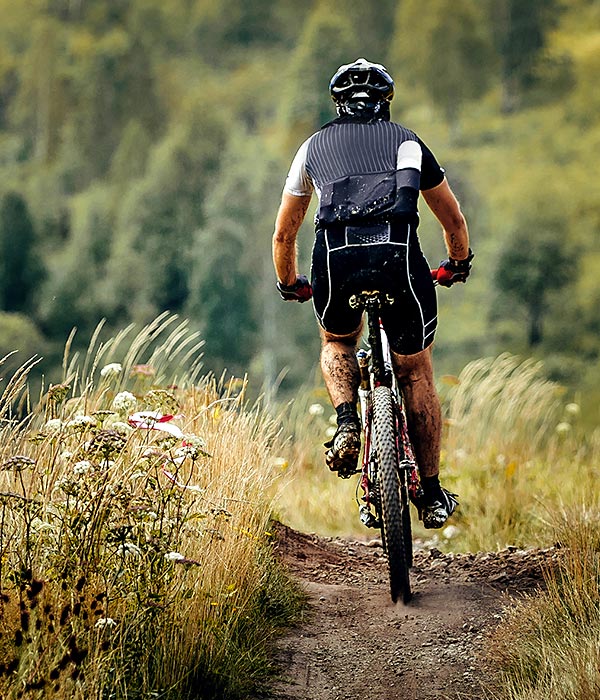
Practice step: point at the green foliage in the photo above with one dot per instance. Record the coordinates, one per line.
(446, 50)
(528, 274)
(20, 267)
(520, 35)
(150, 141)
(327, 41)
(67, 299)
(20, 340)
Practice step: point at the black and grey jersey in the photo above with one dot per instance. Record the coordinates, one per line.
(346, 148)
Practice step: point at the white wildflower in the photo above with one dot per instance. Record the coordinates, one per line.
(38, 525)
(281, 463)
(111, 370)
(194, 441)
(333, 419)
(450, 531)
(53, 425)
(315, 409)
(81, 423)
(572, 409)
(192, 448)
(66, 455)
(121, 427)
(563, 428)
(128, 549)
(174, 556)
(124, 402)
(82, 467)
(105, 622)
(67, 486)
(330, 432)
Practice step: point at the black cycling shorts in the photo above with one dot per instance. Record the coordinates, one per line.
(387, 257)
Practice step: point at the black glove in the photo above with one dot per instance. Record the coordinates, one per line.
(299, 291)
(451, 271)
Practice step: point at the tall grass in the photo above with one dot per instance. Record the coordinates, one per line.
(136, 562)
(515, 453)
(513, 450)
(312, 498)
(549, 644)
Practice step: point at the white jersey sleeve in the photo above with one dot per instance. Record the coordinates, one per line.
(298, 181)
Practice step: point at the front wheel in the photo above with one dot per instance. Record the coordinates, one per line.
(393, 518)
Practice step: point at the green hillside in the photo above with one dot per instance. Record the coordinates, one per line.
(144, 144)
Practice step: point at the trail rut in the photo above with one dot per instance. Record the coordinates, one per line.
(355, 643)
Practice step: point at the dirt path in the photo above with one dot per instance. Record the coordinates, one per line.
(354, 643)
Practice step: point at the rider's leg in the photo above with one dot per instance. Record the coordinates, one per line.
(340, 367)
(342, 377)
(414, 374)
(423, 412)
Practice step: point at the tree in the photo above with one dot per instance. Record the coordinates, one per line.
(520, 30)
(326, 41)
(20, 340)
(229, 296)
(71, 295)
(535, 263)
(149, 257)
(20, 268)
(446, 50)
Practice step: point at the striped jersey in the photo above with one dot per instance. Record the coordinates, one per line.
(344, 148)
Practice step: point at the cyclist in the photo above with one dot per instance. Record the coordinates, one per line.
(367, 172)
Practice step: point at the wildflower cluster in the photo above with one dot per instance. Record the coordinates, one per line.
(115, 501)
(124, 544)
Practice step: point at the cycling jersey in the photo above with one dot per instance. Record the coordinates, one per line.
(345, 147)
(367, 176)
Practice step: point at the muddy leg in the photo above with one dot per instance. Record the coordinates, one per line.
(423, 412)
(339, 367)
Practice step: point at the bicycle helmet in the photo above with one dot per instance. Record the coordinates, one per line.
(361, 87)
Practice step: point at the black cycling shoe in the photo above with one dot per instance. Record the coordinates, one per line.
(343, 450)
(435, 510)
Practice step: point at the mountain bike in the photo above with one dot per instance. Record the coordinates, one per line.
(389, 474)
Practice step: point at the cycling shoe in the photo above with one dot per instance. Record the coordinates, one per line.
(435, 511)
(343, 450)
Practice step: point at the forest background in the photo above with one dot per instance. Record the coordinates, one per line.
(144, 145)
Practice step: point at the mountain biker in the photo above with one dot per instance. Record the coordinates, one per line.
(367, 172)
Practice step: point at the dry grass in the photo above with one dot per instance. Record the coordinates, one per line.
(512, 450)
(515, 454)
(312, 498)
(549, 644)
(135, 563)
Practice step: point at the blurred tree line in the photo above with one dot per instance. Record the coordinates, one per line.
(144, 145)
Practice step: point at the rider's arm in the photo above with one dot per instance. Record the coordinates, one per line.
(445, 206)
(290, 216)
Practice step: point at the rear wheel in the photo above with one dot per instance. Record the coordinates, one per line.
(394, 522)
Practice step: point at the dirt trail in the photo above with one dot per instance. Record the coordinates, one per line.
(354, 643)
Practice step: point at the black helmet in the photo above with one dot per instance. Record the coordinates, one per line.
(361, 85)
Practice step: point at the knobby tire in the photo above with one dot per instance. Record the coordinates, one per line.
(393, 519)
